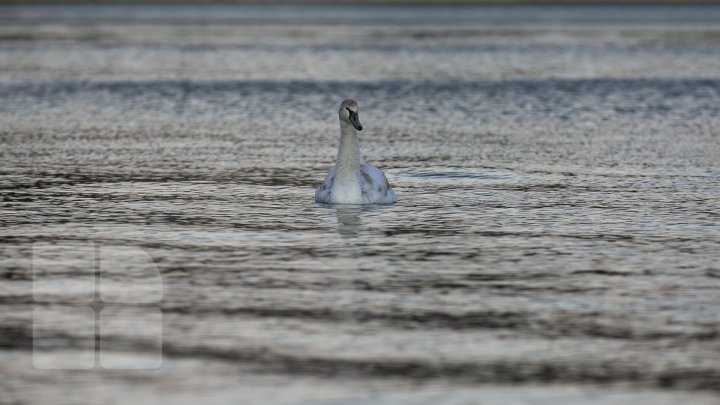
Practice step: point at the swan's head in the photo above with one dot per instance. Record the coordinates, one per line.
(349, 113)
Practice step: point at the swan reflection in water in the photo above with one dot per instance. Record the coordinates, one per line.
(350, 218)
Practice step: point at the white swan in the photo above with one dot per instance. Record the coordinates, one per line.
(351, 181)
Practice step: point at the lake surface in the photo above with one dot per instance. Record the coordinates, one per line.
(555, 240)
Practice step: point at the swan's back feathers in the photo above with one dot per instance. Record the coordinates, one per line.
(323, 194)
(373, 184)
(375, 187)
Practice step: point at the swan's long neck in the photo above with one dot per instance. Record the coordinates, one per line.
(348, 157)
(347, 171)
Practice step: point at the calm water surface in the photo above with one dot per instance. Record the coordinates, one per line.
(555, 238)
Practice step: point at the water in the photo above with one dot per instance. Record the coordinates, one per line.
(555, 238)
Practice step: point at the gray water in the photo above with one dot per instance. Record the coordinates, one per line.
(555, 239)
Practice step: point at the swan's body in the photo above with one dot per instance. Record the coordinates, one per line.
(351, 181)
(370, 188)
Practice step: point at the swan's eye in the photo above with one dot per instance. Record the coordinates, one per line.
(349, 110)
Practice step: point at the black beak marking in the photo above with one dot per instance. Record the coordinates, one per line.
(354, 120)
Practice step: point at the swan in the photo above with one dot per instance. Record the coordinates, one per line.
(351, 181)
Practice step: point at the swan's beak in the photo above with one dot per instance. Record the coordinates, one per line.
(355, 120)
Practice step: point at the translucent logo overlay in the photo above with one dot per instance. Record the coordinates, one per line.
(96, 307)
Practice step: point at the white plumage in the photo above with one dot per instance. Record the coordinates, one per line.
(351, 181)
